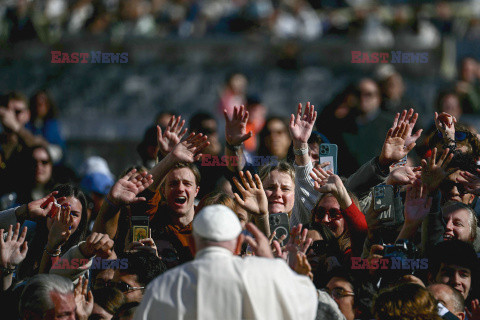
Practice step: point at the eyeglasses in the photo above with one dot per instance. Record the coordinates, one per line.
(459, 135)
(333, 214)
(122, 286)
(338, 292)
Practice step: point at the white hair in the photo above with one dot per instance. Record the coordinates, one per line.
(36, 294)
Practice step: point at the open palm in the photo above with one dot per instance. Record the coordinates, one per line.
(172, 136)
(301, 126)
(13, 249)
(254, 198)
(236, 128)
(125, 190)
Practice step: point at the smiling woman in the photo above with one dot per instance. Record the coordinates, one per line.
(67, 195)
(279, 185)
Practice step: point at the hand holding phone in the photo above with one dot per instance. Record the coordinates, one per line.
(328, 153)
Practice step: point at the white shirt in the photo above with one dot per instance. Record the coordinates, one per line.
(219, 285)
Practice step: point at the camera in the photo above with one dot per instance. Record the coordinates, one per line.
(403, 249)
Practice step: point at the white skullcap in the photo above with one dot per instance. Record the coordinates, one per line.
(217, 223)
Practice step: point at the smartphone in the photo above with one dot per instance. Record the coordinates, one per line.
(383, 196)
(140, 227)
(279, 223)
(328, 153)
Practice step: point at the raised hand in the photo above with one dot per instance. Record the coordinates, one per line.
(433, 171)
(13, 249)
(394, 147)
(236, 128)
(125, 190)
(254, 198)
(61, 229)
(97, 244)
(259, 244)
(189, 150)
(298, 242)
(445, 123)
(302, 266)
(83, 299)
(172, 136)
(301, 126)
(417, 204)
(473, 312)
(325, 181)
(9, 119)
(410, 118)
(36, 210)
(470, 181)
(403, 176)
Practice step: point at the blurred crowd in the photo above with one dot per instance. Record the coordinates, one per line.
(375, 23)
(362, 209)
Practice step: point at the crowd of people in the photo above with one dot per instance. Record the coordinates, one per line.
(375, 22)
(262, 228)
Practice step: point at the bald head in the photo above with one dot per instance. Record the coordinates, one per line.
(449, 297)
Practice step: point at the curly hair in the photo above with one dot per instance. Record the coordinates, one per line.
(405, 302)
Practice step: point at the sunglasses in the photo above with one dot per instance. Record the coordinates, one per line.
(122, 286)
(338, 293)
(333, 214)
(459, 135)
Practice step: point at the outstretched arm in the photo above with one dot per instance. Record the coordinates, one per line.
(300, 130)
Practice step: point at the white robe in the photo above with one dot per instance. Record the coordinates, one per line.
(219, 285)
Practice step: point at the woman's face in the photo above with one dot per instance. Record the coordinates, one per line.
(280, 190)
(75, 212)
(278, 139)
(335, 223)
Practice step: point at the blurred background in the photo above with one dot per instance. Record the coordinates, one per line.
(187, 56)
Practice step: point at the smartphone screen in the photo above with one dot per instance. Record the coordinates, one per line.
(140, 228)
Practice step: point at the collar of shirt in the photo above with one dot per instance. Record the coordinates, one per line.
(213, 250)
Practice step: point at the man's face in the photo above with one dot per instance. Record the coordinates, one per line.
(369, 96)
(132, 280)
(21, 111)
(457, 277)
(345, 303)
(280, 191)
(443, 294)
(43, 166)
(180, 190)
(454, 191)
(209, 128)
(457, 225)
(64, 307)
